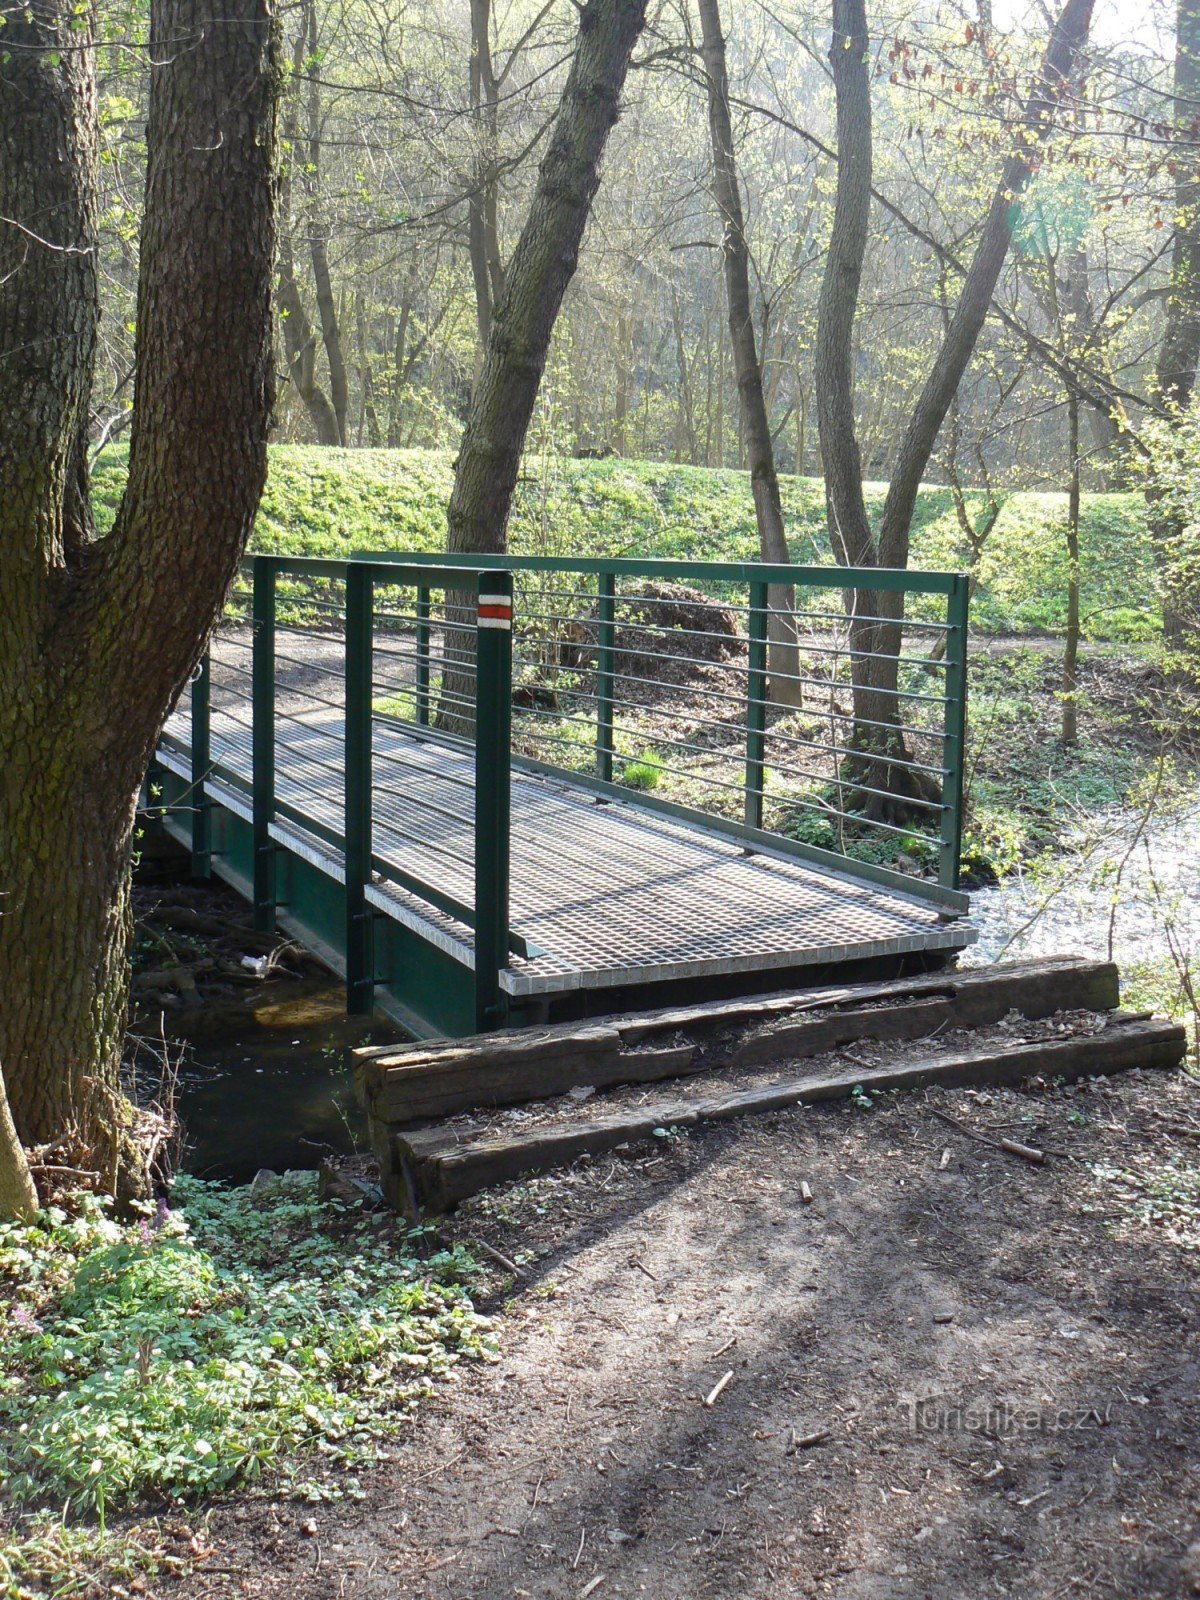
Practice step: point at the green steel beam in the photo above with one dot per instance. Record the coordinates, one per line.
(605, 674)
(423, 656)
(756, 705)
(954, 734)
(360, 656)
(493, 783)
(262, 690)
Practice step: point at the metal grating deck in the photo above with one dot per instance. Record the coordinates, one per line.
(605, 893)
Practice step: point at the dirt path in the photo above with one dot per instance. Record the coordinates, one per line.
(585, 1462)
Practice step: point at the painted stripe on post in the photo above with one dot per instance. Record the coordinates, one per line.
(495, 611)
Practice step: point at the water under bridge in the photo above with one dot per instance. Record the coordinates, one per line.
(492, 792)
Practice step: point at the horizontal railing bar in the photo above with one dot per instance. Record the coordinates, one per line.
(820, 713)
(668, 631)
(862, 579)
(744, 609)
(802, 772)
(411, 570)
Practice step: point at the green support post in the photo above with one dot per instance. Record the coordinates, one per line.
(262, 689)
(756, 704)
(423, 657)
(493, 784)
(955, 731)
(201, 767)
(360, 660)
(606, 588)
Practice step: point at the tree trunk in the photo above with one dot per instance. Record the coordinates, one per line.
(1070, 669)
(870, 776)
(875, 625)
(299, 335)
(1179, 351)
(1066, 42)
(300, 347)
(18, 1197)
(543, 264)
(98, 638)
(783, 658)
(318, 240)
(483, 231)
(541, 268)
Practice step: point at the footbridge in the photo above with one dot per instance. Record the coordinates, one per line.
(492, 792)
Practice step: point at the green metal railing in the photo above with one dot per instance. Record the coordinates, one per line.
(339, 599)
(926, 708)
(723, 694)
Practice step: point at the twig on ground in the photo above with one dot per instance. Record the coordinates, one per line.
(717, 1389)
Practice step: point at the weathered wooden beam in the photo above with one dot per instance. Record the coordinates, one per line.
(418, 1082)
(433, 1170)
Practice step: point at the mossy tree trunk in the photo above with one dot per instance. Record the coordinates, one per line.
(98, 636)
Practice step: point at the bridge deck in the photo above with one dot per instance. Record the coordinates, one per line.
(604, 893)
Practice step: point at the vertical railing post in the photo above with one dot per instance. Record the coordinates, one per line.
(201, 767)
(954, 731)
(357, 834)
(423, 657)
(493, 737)
(262, 737)
(756, 704)
(606, 614)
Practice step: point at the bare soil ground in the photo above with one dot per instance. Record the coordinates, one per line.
(1046, 1315)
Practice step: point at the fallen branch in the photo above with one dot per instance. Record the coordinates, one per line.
(1027, 1152)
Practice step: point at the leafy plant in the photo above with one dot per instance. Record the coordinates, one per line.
(195, 1350)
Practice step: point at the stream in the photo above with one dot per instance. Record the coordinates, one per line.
(265, 1084)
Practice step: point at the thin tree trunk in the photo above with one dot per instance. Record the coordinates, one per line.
(483, 232)
(318, 241)
(1179, 351)
(299, 336)
(542, 266)
(18, 1197)
(1070, 667)
(1066, 42)
(876, 643)
(97, 638)
(783, 660)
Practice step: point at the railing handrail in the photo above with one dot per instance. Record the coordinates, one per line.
(775, 573)
(402, 568)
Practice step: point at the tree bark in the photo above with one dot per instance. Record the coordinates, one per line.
(783, 662)
(541, 268)
(97, 638)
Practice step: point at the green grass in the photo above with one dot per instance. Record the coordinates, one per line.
(332, 502)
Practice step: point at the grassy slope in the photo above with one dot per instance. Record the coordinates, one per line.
(331, 502)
